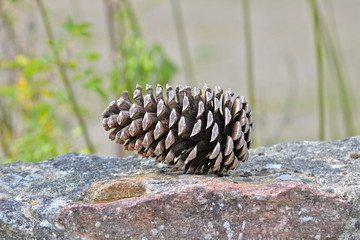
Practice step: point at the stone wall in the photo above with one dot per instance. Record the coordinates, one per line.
(296, 190)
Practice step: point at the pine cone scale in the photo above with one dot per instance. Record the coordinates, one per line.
(215, 152)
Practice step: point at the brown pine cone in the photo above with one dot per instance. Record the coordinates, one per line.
(206, 131)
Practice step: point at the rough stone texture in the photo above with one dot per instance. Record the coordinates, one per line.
(213, 212)
(299, 190)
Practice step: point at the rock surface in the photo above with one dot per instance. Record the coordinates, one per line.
(296, 190)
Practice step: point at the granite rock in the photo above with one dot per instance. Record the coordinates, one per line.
(295, 190)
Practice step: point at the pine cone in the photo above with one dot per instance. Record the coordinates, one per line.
(206, 131)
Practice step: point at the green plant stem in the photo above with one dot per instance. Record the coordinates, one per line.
(340, 78)
(333, 114)
(134, 23)
(6, 149)
(320, 68)
(249, 55)
(5, 131)
(64, 76)
(182, 40)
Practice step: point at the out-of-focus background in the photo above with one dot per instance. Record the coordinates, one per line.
(61, 62)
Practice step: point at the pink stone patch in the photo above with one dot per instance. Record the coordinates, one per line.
(213, 211)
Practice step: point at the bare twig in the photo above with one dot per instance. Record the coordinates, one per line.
(12, 44)
(182, 40)
(64, 77)
(109, 7)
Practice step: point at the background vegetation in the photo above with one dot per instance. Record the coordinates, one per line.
(52, 76)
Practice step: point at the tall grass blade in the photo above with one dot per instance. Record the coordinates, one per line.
(319, 67)
(339, 53)
(344, 92)
(333, 118)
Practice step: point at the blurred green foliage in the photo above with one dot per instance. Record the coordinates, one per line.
(133, 59)
(39, 88)
(37, 120)
(31, 128)
(147, 65)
